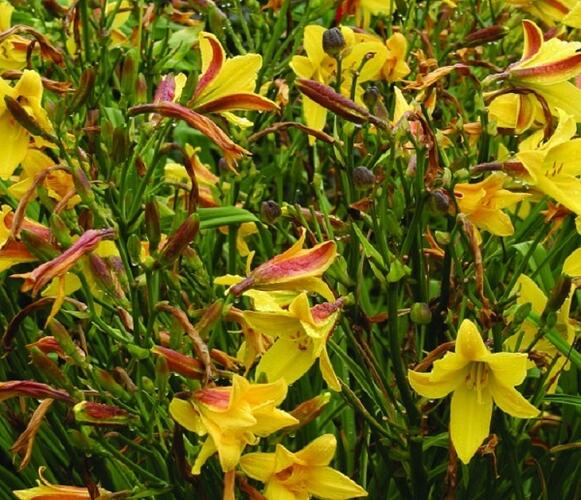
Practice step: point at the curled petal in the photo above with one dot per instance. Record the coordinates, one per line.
(510, 400)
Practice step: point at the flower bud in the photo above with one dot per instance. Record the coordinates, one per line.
(152, 224)
(443, 238)
(307, 411)
(129, 74)
(363, 178)
(522, 312)
(38, 245)
(270, 211)
(180, 363)
(439, 202)
(60, 230)
(179, 240)
(83, 186)
(420, 313)
(83, 92)
(25, 120)
(485, 35)
(333, 42)
(119, 145)
(559, 294)
(65, 342)
(106, 380)
(371, 96)
(37, 390)
(87, 412)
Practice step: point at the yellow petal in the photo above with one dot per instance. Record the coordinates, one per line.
(270, 419)
(276, 490)
(505, 110)
(319, 451)
(528, 292)
(469, 420)
(564, 95)
(313, 43)
(186, 415)
(285, 360)
(328, 372)
(508, 368)
(281, 323)
(325, 482)
(259, 466)
(302, 66)
(469, 343)
(509, 400)
(208, 449)
(315, 116)
(572, 264)
(15, 146)
(275, 392)
(424, 386)
(450, 366)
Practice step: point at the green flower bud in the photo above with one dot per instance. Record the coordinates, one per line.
(421, 313)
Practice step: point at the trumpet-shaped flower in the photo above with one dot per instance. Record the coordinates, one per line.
(227, 84)
(302, 333)
(300, 475)
(319, 66)
(28, 92)
(554, 166)
(296, 269)
(517, 112)
(232, 417)
(546, 67)
(13, 49)
(567, 12)
(527, 292)
(483, 202)
(364, 9)
(395, 67)
(477, 378)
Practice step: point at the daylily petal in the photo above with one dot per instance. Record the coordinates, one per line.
(572, 264)
(509, 368)
(328, 372)
(426, 387)
(212, 60)
(509, 400)
(469, 420)
(448, 367)
(259, 466)
(235, 102)
(274, 392)
(280, 323)
(550, 73)
(184, 413)
(533, 39)
(275, 490)
(270, 419)
(469, 343)
(325, 482)
(285, 360)
(313, 43)
(562, 95)
(315, 115)
(208, 449)
(528, 292)
(320, 451)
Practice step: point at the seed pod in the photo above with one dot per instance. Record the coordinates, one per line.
(87, 412)
(363, 178)
(421, 313)
(179, 240)
(270, 211)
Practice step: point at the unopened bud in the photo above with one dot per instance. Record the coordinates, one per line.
(38, 245)
(559, 294)
(64, 340)
(443, 238)
(333, 42)
(120, 145)
(371, 96)
(485, 35)
(522, 313)
(104, 277)
(211, 316)
(178, 241)
(87, 412)
(270, 211)
(363, 178)
(307, 411)
(421, 313)
(152, 224)
(84, 90)
(439, 202)
(107, 382)
(83, 185)
(129, 73)
(60, 230)
(180, 363)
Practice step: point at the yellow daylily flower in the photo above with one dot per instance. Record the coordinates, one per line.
(527, 291)
(296, 269)
(319, 66)
(364, 9)
(302, 333)
(12, 50)
(395, 67)
(28, 92)
(58, 182)
(227, 84)
(483, 202)
(546, 67)
(554, 166)
(567, 12)
(232, 417)
(477, 378)
(301, 475)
